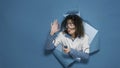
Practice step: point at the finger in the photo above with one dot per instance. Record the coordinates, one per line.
(58, 26)
(64, 49)
(51, 24)
(56, 22)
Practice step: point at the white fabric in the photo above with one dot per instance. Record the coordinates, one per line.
(78, 44)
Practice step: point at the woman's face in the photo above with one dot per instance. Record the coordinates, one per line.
(70, 27)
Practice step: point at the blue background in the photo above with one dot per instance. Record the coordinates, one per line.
(24, 25)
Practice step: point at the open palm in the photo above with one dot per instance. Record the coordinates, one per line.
(54, 27)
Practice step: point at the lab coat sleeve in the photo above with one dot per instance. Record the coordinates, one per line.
(52, 41)
(78, 55)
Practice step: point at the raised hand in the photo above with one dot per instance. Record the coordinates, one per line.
(54, 27)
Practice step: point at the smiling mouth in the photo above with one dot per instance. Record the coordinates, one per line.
(68, 31)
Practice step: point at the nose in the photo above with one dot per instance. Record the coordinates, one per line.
(69, 26)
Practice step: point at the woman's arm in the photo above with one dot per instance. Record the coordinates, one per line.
(51, 39)
(49, 42)
(78, 55)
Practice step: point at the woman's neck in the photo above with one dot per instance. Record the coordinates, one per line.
(73, 35)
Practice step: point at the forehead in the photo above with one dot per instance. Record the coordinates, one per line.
(69, 21)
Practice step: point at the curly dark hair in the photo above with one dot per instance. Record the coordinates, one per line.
(77, 21)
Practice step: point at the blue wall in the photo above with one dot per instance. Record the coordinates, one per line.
(24, 25)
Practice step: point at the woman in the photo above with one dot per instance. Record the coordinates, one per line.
(71, 36)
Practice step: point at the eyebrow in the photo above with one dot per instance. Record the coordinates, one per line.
(70, 23)
(71, 28)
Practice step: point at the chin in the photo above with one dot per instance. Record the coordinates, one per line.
(70, 33)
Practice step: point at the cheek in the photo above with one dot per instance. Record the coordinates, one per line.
(71, 26)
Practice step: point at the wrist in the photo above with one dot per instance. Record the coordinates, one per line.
(51, 33)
